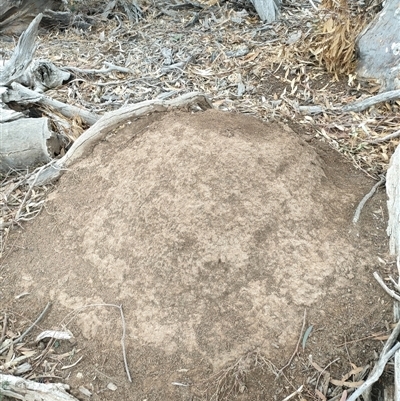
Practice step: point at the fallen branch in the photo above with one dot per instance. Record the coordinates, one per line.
(85, 143)
(371, 101)
(394, 135)
(376, 373)
(357, 106)
(368, 196)
(23, 95)
(385, 287)
(28, 390)
(386, 349)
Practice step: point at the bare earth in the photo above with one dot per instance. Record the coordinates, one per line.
(215, 232)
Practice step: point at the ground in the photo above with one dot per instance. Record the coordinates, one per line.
(223, 238)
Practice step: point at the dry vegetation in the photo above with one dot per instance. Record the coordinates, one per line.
(334, 41)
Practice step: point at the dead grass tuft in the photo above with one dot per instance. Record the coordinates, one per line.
(231, 381)
(333, 43)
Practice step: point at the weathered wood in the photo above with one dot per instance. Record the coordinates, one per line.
(85, 143)
(26, 96)
(26, 142)
(43, 75)
(28, 390)
(378, 48)
(393, 203)
(357, 106)
(64, 19)
(267, 10)
(15, 16)
(7, 115)
(22, 56)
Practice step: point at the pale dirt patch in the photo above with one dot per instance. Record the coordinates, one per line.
(214, 231)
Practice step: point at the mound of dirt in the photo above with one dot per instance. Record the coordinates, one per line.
(215, 232)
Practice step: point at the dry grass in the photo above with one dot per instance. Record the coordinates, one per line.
(334, 40)
(231, 381)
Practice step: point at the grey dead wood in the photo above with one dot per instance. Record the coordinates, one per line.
(378, 48)
(25, 96)
(65, 19)
(39, 75)
(85, 143)
(42, 75)
(267, 10)
(22, 56)
(15, 16)
(357, 106)
(28, 390)
(26, 143)
(390, 348)
(393, 203)
(7, 115)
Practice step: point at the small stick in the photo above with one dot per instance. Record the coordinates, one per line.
(298, 391)
(365, 199)
(297, 346)
(74, 364)
(28, 330)
(3, 334)
(123, 330)
(28, 193)
(111, 67)
(385, 287)
(396, 285)
(395, 134)
(123, 344)
(376, 373)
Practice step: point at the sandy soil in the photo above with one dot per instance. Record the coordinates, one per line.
(215, 232)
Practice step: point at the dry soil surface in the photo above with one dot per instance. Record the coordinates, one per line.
(215, 232)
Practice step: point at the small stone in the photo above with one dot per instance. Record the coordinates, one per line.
(79, 375)
(111, 386)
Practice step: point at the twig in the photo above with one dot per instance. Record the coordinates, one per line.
(111, 67)
(28, 193)
(396, 285)
(366, 198)
(76, 311)
(376, 373)
(123, 344)
(74, 364)
(395, 134)
(27, 331)
(324, 370)
(313, 5)
(3, 334)
(297, 345)
(298, 391)
(385, 287)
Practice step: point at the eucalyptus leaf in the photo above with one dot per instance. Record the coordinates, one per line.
(306, 335)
